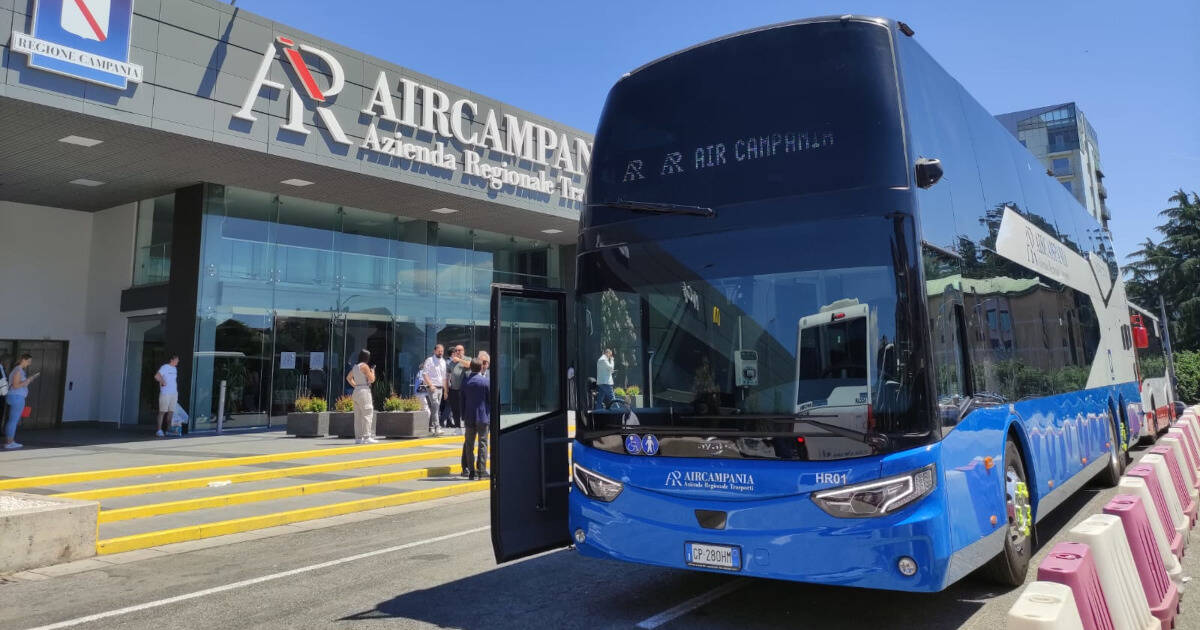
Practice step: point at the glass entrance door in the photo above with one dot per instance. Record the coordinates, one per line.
(302, 363)
(145, 351)
(355, 332)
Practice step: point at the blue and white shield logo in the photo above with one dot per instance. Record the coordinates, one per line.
(84, 39)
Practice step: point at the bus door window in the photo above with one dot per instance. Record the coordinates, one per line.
(943, 282)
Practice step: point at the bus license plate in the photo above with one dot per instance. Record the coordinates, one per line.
(716, 556)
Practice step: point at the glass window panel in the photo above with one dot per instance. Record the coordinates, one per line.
(306, 274)
(152, 255)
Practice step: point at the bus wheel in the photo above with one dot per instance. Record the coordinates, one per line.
(1010, 566)
(1116, 457)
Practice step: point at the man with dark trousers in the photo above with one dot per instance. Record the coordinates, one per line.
(476, 395)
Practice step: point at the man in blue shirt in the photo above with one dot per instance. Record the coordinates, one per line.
(476, 397)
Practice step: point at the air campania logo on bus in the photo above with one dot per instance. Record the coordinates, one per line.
(83, 39)
(710, 480)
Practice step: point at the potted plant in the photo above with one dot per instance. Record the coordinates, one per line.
(310, 419)
(401, 417)
(341, 419)
(633, 395)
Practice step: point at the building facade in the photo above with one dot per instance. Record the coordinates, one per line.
(1063, 139)
(185, 177)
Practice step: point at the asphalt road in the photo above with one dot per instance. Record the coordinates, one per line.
(433, 567)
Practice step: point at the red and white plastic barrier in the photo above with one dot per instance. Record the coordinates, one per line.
(1177, 481)
(1136, 487)
(1073, 565)
(1182, 432)
(1045, 606)
(1127, 602)
(1173, 443)
(1161, 593)
(1179, 520)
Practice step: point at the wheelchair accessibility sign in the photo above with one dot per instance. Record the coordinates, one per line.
(84, 39)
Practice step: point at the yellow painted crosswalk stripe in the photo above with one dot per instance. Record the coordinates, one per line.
(158, 469)
(258, 475)
(221, 528)
(269, 494)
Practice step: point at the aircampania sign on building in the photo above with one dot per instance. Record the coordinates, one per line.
(257, 200)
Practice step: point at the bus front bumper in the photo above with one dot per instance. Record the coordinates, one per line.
(786, 538)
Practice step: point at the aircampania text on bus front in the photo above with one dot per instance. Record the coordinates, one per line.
(832, 323)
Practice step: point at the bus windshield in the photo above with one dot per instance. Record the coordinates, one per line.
(745, 332)
(792, 110)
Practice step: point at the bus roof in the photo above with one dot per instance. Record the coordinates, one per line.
(825, 18)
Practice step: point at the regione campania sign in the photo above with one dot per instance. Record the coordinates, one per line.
(84, 39)
(555, 157)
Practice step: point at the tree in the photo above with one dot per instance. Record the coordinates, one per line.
(618, 332)
(1171, 268)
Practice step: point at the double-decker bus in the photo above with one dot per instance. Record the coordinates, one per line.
(873, 342)
(1153, 380)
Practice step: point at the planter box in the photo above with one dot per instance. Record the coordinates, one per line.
(402, 423)
(308, 424)
(43, 530)
(341, 423)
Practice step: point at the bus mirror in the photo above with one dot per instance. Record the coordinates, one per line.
(1141, 339)
(929, 171)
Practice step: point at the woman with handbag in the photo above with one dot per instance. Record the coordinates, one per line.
(18, 389)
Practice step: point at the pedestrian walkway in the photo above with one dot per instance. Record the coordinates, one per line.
(159, 492)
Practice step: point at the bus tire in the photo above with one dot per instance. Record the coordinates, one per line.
(1011, 565)
(1111, 475)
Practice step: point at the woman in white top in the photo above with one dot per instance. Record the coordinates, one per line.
(360, 378)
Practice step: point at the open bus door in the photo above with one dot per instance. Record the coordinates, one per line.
(529, 439)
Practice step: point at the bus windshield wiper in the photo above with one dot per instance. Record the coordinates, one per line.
(656, 207)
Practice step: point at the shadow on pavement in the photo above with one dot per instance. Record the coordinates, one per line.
(562, 589)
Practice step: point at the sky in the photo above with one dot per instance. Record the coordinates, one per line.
(1134, 71)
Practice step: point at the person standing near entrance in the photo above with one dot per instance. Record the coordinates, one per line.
(18, 390)
(168, 393)
(605, 366)
(477, 420)
(460, 369)
(361, 377)
(433, 373)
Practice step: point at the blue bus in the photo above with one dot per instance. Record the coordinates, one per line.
(832, 323)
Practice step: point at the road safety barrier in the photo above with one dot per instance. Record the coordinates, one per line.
(1136, 487)
(1158, 467)
(1180, 432)
(1072, 565)
(1176, 481)
(1161, 593)
(1127, 602)
(1171, 444)
(1122, 567)
(1045, 606)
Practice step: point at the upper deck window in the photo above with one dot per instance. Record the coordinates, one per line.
(785, 111)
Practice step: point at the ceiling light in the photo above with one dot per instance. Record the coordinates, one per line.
(296, 182)
(85, 182)
(552, 231)
(444, 210)
(81, 141)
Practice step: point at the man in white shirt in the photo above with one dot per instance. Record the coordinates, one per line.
(433, 372)
(168, 393)
(605, 366)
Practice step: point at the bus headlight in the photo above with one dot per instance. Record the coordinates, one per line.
(595, 485)
(876, 498)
